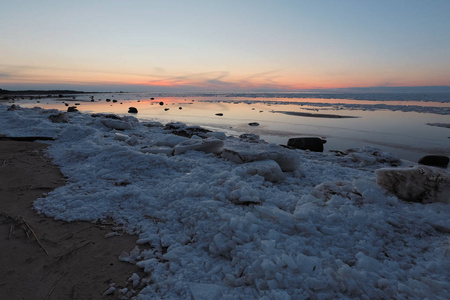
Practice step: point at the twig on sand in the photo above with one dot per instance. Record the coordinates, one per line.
(20, 221)
(54, 285)
(4, 162)
(37, 239)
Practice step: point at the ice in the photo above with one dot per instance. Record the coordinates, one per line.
(241, 153)
(213, 227)
(209, 145)
(419, 184)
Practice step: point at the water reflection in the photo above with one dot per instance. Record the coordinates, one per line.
(402, 133)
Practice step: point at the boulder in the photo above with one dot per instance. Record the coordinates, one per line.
(435, 160)
(132, 110)
(253, 124)
(307, 143)
(209, 145)
(268, 169)
(219, 114)
(419, 184)
(72, 109)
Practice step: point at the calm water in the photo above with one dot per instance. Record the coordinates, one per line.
(402, 133)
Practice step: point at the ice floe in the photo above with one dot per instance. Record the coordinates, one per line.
(263, 222)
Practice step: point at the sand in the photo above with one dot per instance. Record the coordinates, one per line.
(81, 262)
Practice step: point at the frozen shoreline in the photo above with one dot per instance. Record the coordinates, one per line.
(326, 230)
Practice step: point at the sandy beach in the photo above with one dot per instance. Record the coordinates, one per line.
(47, 259)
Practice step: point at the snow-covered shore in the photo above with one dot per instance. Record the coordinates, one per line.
(216, 229)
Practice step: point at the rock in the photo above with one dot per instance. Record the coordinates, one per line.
(72, 109)
(253, 124)
(166, 109)
(268, 169)
(114, 101)
(286, 158)
(108, 100)
(77, 103)
(59, 118)
(108, 116)
(161, 103)
(209, 145)
(132, 110)
(180, 107)
(14, 107)
(182, 129)
(307, 143)
(117, 124)
(419, 184)
(250, 138)
(219, 114)
(435, 160)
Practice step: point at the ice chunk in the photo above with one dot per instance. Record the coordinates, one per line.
(286, 158)
(170, 140)
(268, 169)
(209, 145)
(158, 149)
(205, 291)
(418, 184)
(117, 124)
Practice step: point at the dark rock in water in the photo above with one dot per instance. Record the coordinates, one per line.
(132, 110)
(66, 104)
(152, 98)
(435, 160)
(166, 109)
(307, 143)
(253, 124)
(59, 118)
(107, 116)
(114, 101)
(14, 107)
(219, 114)
(181, 129)
(108, 100)
(180, 107)
(161, 103)
(77, 103)
(72, 109)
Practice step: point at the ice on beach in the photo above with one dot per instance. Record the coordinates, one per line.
(217, 228)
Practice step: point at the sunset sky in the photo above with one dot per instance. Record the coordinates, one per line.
(223, 45)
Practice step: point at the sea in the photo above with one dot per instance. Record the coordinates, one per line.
(408, 125)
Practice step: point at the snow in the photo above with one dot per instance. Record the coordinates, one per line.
(209, 227)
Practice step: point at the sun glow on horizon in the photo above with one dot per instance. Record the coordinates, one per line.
(225, 46)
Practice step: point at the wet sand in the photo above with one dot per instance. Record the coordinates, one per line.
(42, 258)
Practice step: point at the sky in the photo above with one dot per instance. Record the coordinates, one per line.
(244, 45)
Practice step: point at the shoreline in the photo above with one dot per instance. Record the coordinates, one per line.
(81, 262)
